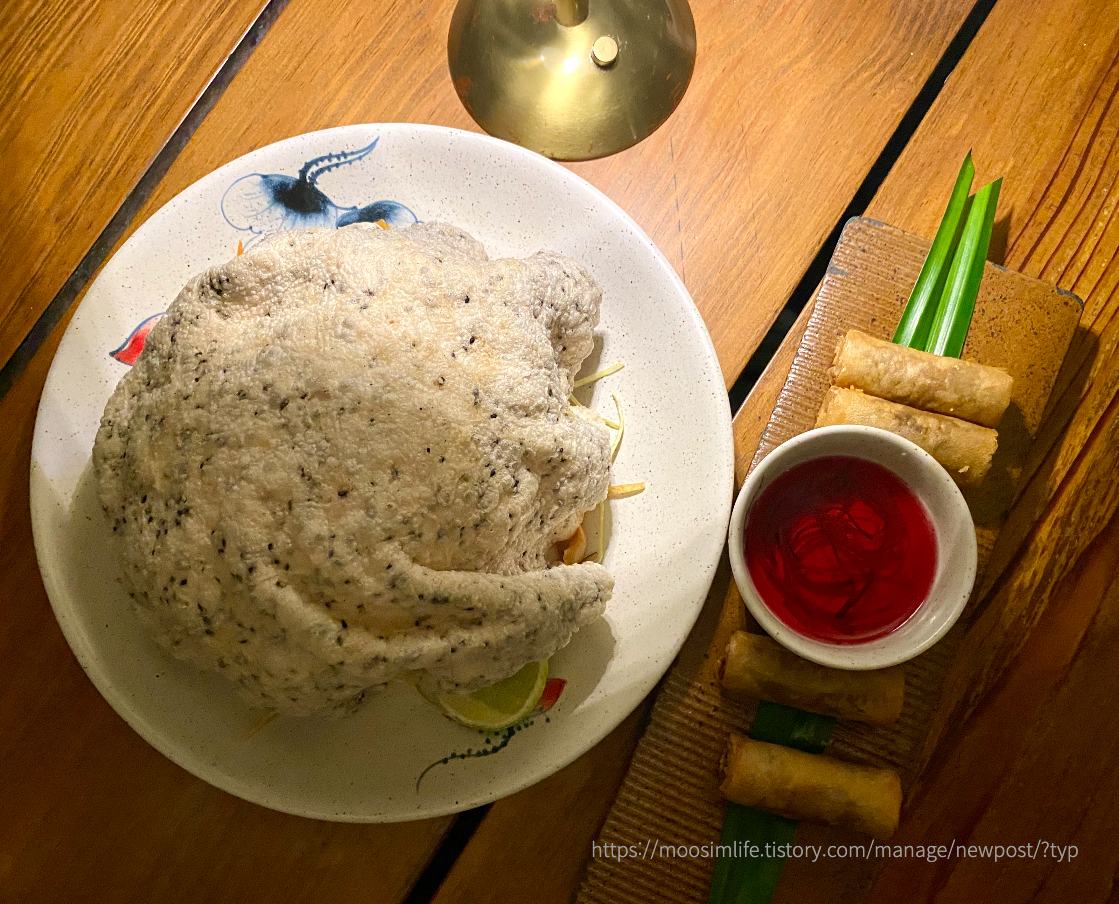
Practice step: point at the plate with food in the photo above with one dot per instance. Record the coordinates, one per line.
(381, 473)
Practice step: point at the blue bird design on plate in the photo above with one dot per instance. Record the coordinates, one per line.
(262, 203)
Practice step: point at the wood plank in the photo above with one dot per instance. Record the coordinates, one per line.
(725, 265)
(751, 418)
(1066, 233)
(95, 814)
(1054, 779)
(1021, 325)
(570, 805)
(562, 810)
(739, 188)
(760, 139)
(92, 91)
(1049, 600)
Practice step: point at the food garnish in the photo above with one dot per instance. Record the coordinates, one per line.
(916, 320)
(260, 724)
(617, 440)
(575, 547)
(601, 551)
(953, 314)
(623, 490)
(599, 374)
(500, 705)
(936, 320)
(617, 491)
(938, 313)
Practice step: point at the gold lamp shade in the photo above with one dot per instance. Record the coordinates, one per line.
(571, 79)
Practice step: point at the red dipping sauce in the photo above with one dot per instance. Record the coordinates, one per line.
(840, 550)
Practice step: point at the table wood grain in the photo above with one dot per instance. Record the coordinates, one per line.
(92, 90)
(89, 812)
(721, 187)
(1035, 99)
(390, 66)
(739, 189)
(731, 283)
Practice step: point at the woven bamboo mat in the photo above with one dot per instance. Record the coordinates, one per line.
(670, 796)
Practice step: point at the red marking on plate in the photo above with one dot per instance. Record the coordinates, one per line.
(553, 687)
(128, 352)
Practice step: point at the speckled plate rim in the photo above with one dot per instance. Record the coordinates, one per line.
(697, 546)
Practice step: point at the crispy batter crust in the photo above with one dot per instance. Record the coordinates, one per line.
(344, 457)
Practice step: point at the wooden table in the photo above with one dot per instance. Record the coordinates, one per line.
(798, 116)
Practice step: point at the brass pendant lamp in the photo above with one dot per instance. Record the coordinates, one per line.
(571, 79)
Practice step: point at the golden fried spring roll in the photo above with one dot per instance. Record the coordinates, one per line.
(962, 448)
(963, 389)
(756, 666)
(810, 786)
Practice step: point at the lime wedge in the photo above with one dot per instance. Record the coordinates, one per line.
(499, 705)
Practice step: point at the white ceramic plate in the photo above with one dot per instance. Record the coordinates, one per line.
(665, 543)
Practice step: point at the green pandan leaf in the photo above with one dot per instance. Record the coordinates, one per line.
(749, 873)
(957, 303)
(917, 318)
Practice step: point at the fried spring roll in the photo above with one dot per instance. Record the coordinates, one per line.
(962, 448)
(810, 786)
(964, 389)
(756, 666)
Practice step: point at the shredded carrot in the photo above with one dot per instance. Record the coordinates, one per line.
(599, 374)
(574, 547)
(240, 248)
(601, 551)
(617, 440)
(260, 723)
(622, 490)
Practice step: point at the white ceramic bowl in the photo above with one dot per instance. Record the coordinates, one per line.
(952, 524)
